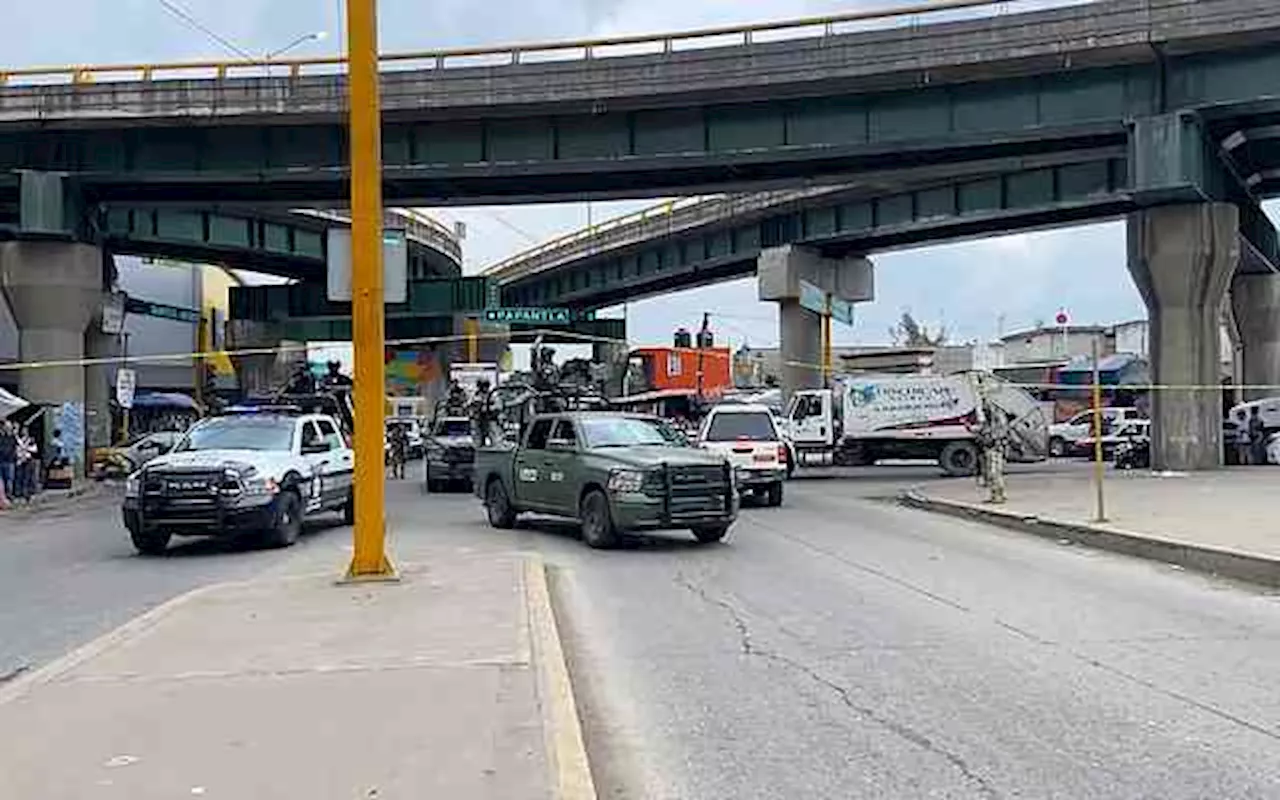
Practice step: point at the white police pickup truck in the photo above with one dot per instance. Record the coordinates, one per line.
(260, 471)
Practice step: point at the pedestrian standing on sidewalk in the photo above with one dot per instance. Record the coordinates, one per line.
(28, 466)
(8, 459)
(1257, 437)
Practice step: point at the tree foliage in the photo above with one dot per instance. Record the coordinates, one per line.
(909, 333)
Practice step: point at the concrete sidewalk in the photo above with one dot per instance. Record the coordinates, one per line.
(1224, 522)
(449, 684)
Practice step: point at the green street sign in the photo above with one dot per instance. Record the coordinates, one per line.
(537, 316)
(842, 311)
(813, 298)
(149, 309)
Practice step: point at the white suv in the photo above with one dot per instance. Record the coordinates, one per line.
(748, 436)
(263, 471)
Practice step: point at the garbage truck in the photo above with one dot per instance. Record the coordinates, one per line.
(867, 418)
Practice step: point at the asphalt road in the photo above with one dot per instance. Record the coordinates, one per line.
(836, 647)
(70, 574)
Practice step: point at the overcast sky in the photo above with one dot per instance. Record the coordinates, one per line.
(977, 289)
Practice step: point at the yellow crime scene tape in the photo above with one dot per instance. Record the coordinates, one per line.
(573, 338)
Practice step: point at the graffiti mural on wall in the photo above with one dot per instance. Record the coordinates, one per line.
(414, 372)
(70, 420)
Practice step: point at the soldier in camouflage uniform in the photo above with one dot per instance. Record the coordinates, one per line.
(993, 438)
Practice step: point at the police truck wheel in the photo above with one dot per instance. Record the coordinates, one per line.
(150, 543)
(710, 533)
(959, 459)
(498, 506)
(288, 524)
(597, 522)
(773, 495)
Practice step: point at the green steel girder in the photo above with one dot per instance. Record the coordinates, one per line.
(647, 151)
(581, 331)
(401, 330)
(971, 207)
(290, 245)
(427, 298)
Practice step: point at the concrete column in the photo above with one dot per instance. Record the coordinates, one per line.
(1255, 305)
(99, 383)
(1182, 258)
(54, 289)
(799, 348)
(611, 357)
(780, 272)
(256, 372)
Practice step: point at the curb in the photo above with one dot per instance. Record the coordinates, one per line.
(1224, 562)
(566, 749)
(127, 632)
(66, 497)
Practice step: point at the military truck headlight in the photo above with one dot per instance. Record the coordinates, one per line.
(626, 480)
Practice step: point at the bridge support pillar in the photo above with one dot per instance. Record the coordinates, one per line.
(1255, 304)
(99, 387)
(611, 358)
(1182, 258)
(54, 289)
(257, 371)
(780, 271)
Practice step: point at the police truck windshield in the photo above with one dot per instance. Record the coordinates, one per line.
(240, 433)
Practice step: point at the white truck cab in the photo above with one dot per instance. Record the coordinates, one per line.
(749, 437)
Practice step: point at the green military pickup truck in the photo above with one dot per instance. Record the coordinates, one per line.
(613, 473)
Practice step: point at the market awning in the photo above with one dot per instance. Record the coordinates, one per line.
(10, 403)
(1118, 369)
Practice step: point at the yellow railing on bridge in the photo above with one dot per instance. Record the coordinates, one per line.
(574, 49)
(663, 209)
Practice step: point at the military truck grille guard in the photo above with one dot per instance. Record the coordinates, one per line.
(693, 492)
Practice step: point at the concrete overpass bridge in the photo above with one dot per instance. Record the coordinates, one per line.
(1188, 90)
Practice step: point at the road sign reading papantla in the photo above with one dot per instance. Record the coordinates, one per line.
(537, 316)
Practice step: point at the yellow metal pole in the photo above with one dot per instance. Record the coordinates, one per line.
(472, 328)
(369, 560)
(826, 346)
(1098, 471)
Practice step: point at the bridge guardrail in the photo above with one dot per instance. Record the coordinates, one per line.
(576, 49)
(416, 226)
(667, 217)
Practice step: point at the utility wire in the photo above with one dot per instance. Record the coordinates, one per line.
(194, 23)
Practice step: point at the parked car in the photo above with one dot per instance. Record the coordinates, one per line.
(1063, 435)
(1116, 434)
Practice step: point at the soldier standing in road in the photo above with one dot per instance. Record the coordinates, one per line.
(480, 413)
(399, 450)
(993, 438)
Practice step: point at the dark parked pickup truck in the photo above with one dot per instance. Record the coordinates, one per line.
(613, 473)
